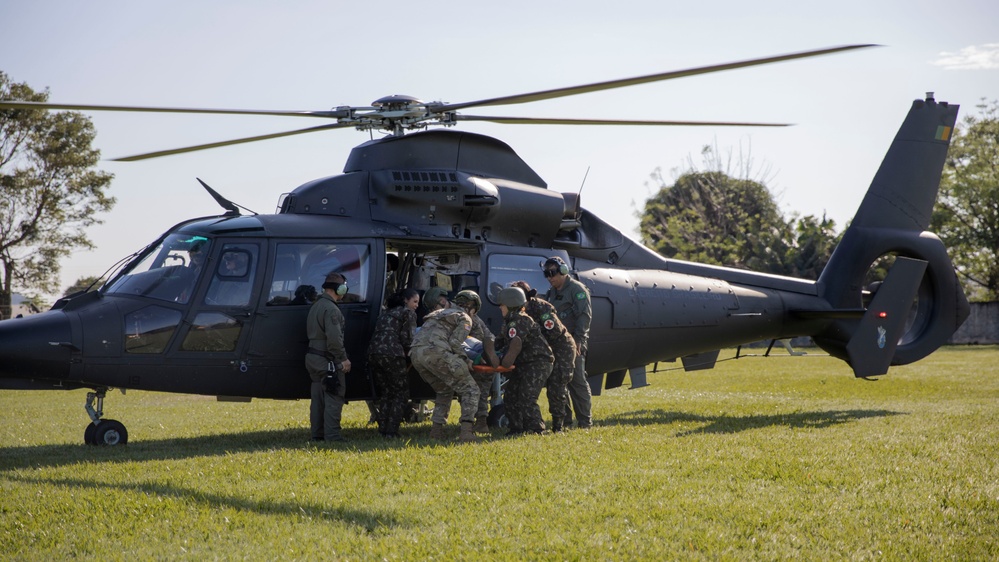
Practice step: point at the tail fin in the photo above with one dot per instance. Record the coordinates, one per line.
(893, 219)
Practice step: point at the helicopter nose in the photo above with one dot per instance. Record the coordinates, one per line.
(36, 347)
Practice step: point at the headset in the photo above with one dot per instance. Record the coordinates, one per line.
(562, 267)
(339, 288)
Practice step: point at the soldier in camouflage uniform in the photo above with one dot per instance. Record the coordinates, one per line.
(387, 355)
(563, 347)
(440, 359)
(324, 327)
(481, 332)
(527, 349)
(572, 301)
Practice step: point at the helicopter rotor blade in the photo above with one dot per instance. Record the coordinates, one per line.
(160, 153)
(562, 121)
(598, 86)
(12, 104)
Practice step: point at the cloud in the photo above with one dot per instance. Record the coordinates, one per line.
(982, 57)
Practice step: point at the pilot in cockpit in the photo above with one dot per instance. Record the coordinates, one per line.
(231, 287)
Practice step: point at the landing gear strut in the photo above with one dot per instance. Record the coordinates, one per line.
(101, 431)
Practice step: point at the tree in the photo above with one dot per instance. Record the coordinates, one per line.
(83, 284)
(49, 191)
(812, 243)
(966, 216)
(712, 217)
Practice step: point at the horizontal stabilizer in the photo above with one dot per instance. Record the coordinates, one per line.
(872, 346)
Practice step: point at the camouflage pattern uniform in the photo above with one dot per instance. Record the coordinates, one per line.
(387, 354)
(439, 358)
(573, 305)
(481, 332)
(324, 327)
(533, 366)
(564, 349)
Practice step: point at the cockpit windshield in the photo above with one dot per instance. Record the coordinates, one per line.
(169, 272)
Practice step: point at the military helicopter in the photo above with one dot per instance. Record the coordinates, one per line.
(216, 305)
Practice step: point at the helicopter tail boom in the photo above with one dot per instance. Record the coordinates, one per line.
(920, 305)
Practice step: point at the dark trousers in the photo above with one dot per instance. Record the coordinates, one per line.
(325, 412)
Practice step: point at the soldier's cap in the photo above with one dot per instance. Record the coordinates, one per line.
(433, 295)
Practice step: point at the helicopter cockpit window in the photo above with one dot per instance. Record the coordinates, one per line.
(232, 278)
(300, 269)
(168, 272)
(505, 269)
(149, 330)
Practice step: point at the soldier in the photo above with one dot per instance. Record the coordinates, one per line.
(387, 355)
(326, 360)
(437, 297)
(434, 299)
(527, 349)
(572, 301)
(563, 347)
(440, 359)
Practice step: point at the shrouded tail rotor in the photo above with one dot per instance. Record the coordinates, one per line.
(892, 221)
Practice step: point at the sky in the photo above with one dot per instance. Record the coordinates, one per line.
(311, 55)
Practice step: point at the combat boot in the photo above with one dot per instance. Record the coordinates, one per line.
(481, 425)
(467, 435)
(557, 426)
(437, 432)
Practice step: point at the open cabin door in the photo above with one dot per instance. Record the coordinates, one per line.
(295, 275)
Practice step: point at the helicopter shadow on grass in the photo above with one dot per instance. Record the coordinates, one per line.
(182, 448)
(733, 424)
(16, 459)
(368, 519)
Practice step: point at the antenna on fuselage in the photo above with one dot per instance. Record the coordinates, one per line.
(232, 209)
(583, 182)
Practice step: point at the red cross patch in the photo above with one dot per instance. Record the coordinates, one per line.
(549, 324)
(512, 332)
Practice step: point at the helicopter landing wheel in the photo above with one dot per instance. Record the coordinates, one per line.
(102, 431)
(110, 433)
(89, 433)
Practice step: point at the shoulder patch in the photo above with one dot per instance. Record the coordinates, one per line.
(512, 332)
(548, 323)
(580, 295)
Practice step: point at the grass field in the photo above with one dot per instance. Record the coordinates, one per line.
(760, 458)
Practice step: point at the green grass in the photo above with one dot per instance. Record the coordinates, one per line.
(759, 458)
